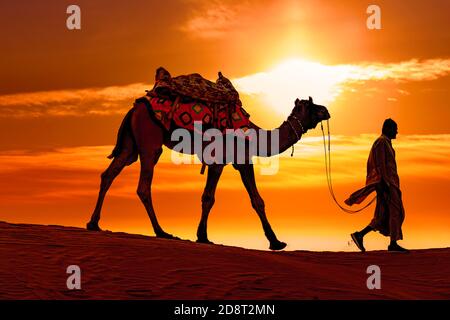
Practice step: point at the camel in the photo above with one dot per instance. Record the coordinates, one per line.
(141, 135)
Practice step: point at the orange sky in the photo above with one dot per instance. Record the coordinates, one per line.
(64, 93)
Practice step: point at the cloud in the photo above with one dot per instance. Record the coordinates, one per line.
(278, 87)
(213, 21)
(76, 102)
(412, 70)
(299, 78)
(75, 172)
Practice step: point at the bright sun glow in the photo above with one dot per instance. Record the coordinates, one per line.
(293, 79)
(297, 78)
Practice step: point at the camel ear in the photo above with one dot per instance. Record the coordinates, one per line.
(297, 101)
(310, 99)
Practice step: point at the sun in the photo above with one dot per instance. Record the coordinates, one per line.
(296, 78)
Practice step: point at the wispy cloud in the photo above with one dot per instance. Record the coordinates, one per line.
(215, 19)
(412, 70)
(282, 84)
(77, 102)
(75, 172)
(212, 21)
(278, 87)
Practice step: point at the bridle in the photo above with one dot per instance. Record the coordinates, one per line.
(328, 172)
(302, 130)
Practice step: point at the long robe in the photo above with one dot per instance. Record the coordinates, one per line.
(382, 177)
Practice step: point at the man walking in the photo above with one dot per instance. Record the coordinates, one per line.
(382, 177)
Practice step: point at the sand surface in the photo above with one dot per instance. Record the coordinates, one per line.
(34, 259)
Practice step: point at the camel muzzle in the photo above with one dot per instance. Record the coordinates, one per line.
(324, 114)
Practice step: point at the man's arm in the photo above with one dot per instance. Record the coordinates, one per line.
(380, 160)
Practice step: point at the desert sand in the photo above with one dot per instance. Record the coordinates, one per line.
(34, 259)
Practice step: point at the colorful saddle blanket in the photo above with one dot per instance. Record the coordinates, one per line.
(183, 114)
(190, 98)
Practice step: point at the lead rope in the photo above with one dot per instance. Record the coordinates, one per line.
(328, 172)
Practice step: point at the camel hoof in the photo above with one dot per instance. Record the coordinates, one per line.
(204, 241)
(93, 226)
(165, 235)
(278, 245)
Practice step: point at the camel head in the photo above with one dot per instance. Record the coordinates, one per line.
(309, 114)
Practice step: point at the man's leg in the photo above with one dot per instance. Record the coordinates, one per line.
(365, 231)
(358, 237)
(379, 220)
(394, 246)
(396, 217)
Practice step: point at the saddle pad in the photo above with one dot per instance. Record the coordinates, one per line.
(195, 87)
(184, 114)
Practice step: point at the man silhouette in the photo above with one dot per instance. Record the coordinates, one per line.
(382, 177)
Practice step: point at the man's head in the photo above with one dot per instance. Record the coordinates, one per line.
(390, 128)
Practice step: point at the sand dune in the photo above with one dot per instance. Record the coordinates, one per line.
(34, 258)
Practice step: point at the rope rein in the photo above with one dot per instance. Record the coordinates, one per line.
(302, 131)
(328, 172)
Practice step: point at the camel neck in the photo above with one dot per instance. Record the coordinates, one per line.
(288, 137)
(284, 134)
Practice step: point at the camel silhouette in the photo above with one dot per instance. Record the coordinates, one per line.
(142, 135)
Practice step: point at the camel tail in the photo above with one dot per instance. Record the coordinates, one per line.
(125, 132)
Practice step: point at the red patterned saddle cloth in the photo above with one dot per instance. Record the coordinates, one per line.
(185, 113)
(190, 98)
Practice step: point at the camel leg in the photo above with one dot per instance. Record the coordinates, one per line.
(145, 194)
(248, 178)
(107, 179)
(149, 140)
(214, 173)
